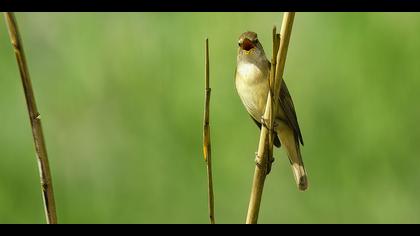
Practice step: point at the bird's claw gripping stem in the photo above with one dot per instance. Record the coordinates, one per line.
(259, 164)
(264, 122)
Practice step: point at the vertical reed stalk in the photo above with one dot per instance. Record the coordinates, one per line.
(35, 119)
(265, 143)
(276, 44)
(206, 135)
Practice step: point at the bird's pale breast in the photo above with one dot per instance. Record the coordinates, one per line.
(252, 87)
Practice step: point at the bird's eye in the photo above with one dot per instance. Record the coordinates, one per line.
(255, 41)
(239, 44)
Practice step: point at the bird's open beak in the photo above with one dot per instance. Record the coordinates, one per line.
(247, 45)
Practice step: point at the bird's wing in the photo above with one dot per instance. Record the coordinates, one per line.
(286, 104)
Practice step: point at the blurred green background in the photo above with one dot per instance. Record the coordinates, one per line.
(121, 97)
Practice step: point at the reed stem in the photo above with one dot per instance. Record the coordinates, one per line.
(265, 145)
(206, 135)
(35, 119)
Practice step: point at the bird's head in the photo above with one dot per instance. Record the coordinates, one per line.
(250, 47)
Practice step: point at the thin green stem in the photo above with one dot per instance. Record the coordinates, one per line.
(206, 135)
(35, 119)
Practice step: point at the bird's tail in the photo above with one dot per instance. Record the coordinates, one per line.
(291, 144)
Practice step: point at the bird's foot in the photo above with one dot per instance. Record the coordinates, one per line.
(259, 162)
(265, 122)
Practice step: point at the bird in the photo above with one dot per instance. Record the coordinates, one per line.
(252, 84)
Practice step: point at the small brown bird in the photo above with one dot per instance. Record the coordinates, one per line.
(252, 84)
